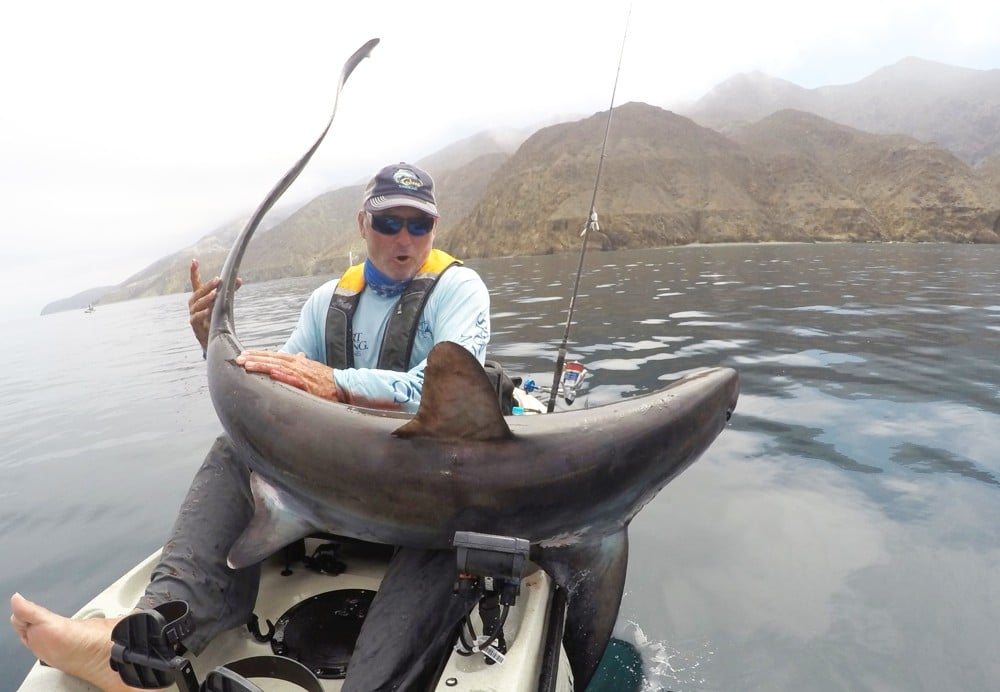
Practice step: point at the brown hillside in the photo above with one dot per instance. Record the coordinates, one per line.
(313, 240)
(665, 181)
(838, 183)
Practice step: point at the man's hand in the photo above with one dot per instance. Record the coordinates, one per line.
(200, 303)
(298, 371)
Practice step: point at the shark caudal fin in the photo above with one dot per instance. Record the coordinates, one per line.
(272, 527)
(593, 575)
(458, 401)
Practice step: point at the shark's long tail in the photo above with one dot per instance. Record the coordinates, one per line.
(222, 312)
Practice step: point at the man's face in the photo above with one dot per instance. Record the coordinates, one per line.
(397, 256)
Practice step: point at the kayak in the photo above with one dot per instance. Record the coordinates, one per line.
(306, 588)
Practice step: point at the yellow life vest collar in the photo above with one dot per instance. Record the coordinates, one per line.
(353, 280)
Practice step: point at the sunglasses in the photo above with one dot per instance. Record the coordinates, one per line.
(391, 225)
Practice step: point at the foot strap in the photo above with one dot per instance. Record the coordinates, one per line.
(144, 648)
(146, 651)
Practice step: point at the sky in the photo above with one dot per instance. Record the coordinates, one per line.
(128, 130)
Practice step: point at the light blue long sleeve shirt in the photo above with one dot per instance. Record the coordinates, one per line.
(458, 310)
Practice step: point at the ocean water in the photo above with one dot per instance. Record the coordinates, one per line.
(843, 533)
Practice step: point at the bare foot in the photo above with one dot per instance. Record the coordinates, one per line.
(81, 648)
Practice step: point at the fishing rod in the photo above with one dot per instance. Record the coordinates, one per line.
(590, 225)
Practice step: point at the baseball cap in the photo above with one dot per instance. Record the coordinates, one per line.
(401, 185)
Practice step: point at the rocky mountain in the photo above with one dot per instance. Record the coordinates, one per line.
(504, 141)
(954, 107)
(665, 181)
(170, 274)
(910, 153)
(668, 180)
(318, 237)
(989, 170)
(831, 182)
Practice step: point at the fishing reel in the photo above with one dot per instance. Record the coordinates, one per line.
(572, 377)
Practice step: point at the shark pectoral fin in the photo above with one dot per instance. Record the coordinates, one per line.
(274, 525)
(594, 578)
(458, 401)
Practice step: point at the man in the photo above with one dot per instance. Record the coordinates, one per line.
(351, 344)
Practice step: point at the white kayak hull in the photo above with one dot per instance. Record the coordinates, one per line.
(524, 630)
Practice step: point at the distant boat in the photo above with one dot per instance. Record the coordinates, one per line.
(90, 308)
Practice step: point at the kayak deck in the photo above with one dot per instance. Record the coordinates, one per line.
(524, 629)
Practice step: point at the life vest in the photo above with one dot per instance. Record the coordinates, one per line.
(401, 329)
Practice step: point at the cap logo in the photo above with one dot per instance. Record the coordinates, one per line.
(407, 179)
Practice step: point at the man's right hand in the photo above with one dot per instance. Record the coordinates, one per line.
(200, 303)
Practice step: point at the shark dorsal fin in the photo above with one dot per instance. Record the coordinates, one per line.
(458, 401)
